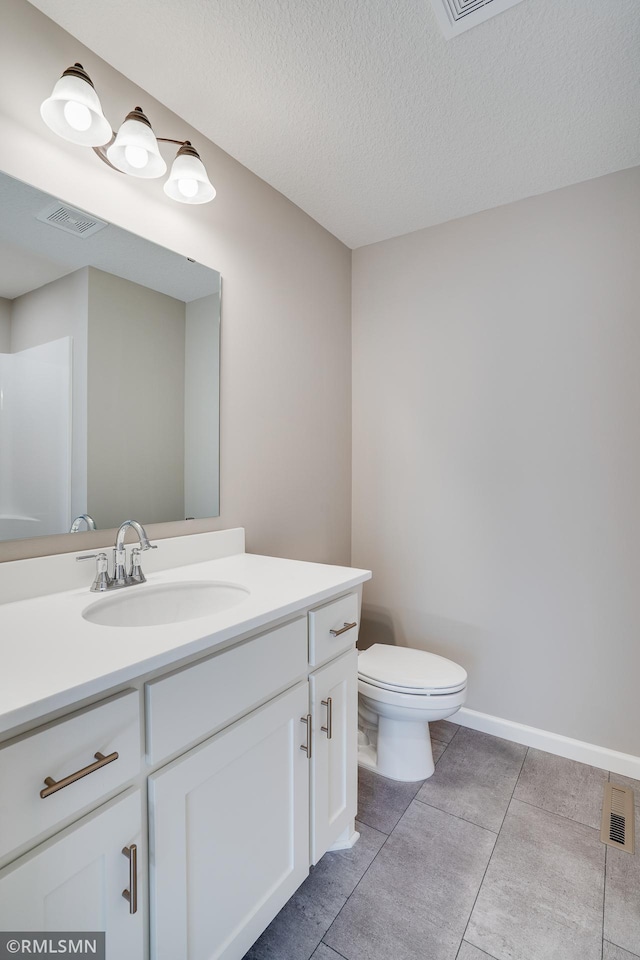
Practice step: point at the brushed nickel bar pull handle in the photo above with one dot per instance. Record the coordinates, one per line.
(52, 786)
(307, 746)
(328, 703)
(347, 626)
(131, 852)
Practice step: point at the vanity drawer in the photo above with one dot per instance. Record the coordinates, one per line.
(222, 688)
(59, 752)
(342, 616)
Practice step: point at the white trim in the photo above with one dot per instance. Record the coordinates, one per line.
(624, 764)
(347, 839)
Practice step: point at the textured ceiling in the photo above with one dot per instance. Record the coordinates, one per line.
(365, 116)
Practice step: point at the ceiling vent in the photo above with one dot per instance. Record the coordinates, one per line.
(456, 16)
(66, 218)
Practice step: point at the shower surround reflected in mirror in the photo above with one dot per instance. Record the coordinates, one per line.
(109, 373)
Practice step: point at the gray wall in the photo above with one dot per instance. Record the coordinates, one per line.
(201, 406)
(5, 325)
(57, 309)
(496, 455)
(286, 356)
(135, 405)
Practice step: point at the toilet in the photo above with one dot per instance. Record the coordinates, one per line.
(400, 691)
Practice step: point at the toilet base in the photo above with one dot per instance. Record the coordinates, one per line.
(396, 749)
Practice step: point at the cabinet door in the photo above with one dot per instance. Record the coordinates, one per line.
(334, 765)
(75, 881)
(229, 834)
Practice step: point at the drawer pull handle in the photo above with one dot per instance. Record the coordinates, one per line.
(347, 626)
(328, 703)
(131, 853)
(307, 746)
(52, 786)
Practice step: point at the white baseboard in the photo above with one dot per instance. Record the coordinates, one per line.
(624, 764)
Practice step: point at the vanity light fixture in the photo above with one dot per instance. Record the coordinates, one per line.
(73, 111)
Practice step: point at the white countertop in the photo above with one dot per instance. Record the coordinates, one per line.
(50, 657)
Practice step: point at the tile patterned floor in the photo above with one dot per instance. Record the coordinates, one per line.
(495, 857)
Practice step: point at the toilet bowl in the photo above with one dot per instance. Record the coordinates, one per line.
(400, 691)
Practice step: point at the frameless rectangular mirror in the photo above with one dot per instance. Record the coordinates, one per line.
(109, 373)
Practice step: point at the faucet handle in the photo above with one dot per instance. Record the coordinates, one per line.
(102, 580)
(100, 557)
(135, 573)
(120, 578)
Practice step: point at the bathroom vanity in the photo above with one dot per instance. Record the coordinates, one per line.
(171, 783)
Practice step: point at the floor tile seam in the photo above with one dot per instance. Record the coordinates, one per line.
(604, 895)
(328, 945)
(375, 829)
(484, 953)
(425, 803)
(617, 945)
(446, 747)
(445, 743)
(553, 813)
(354, 889)
(386, 836)
(455, 734)
(381, 848)
(372, 827)
(526, 753)
(475, 899)
(604, 900)
(515, 787)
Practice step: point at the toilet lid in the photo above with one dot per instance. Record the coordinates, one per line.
(409, 671)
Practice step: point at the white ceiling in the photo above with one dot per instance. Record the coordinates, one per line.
(365, 116)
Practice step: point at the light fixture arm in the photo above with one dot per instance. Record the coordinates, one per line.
(102, 151)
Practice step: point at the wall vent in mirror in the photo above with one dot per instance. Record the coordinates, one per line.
(68, 218)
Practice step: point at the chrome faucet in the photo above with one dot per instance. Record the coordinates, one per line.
(83, 518)
(120, 576)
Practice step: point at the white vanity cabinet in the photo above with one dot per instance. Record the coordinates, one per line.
(75, 881)
(333, 631)
(334, 769)
(236, 821)
(229, 834)
(228, 765)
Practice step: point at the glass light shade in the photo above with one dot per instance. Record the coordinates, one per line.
(73, 110)
(127, 152)
(188, 181)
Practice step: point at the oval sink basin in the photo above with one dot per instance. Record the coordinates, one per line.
(165, 603)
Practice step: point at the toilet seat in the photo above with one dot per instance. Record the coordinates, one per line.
(410, 672)
(412, 691)
(424, 702)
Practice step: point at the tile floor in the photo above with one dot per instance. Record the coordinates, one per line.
(495, 857)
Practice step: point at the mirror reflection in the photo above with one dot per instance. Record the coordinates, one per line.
(109, 373)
